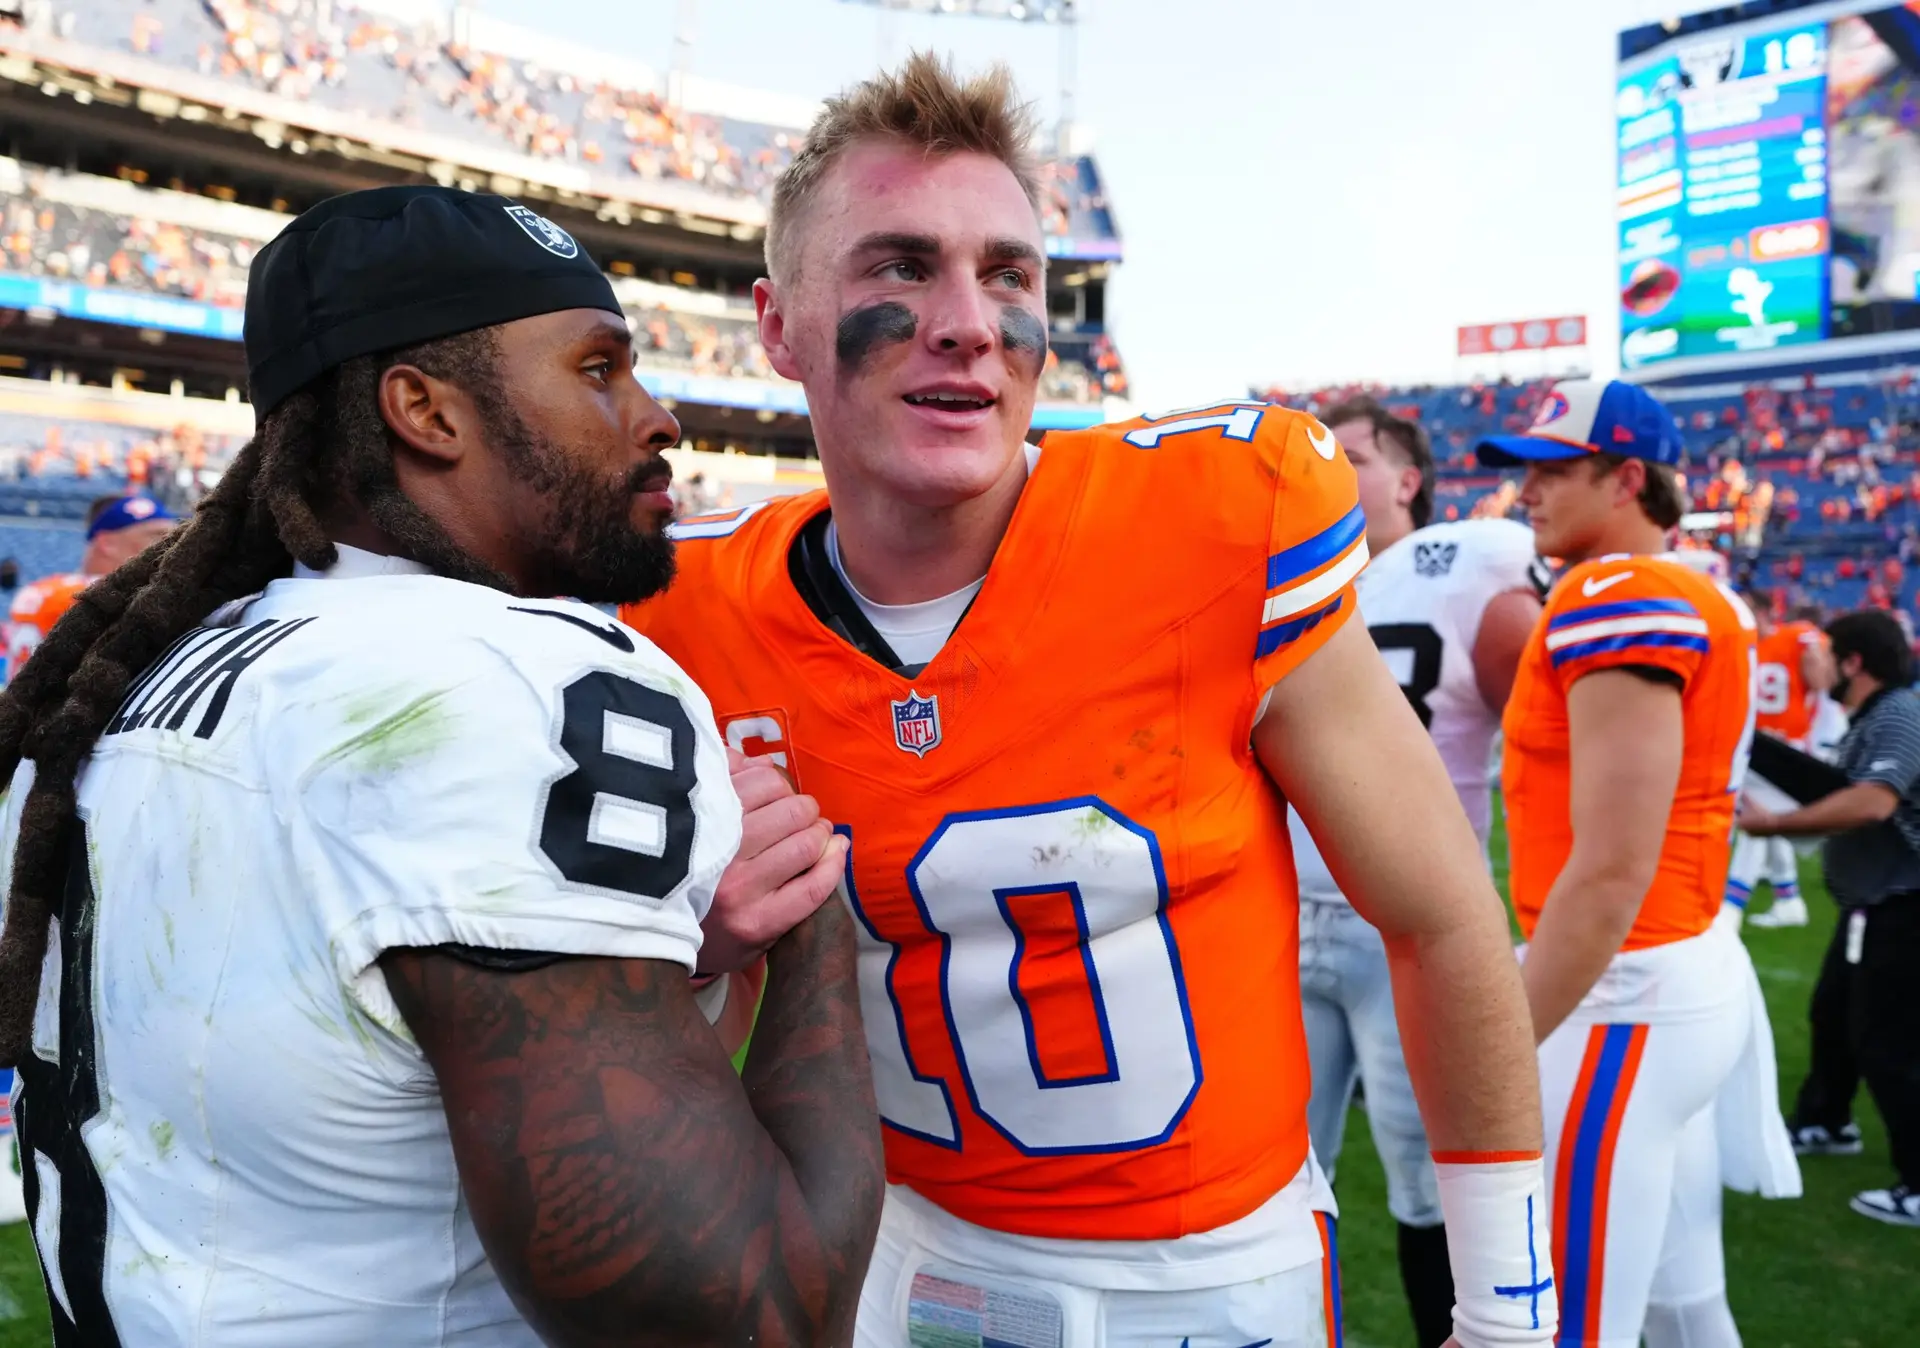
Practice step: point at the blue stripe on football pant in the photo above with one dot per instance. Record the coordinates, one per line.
(1285, 567)
(1581, 1198)
(1625, 608)
(1738, 894)
(1335, 1308)
(1628, 643)
(1787, 889)
(1274, 638)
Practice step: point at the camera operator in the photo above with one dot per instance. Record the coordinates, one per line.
(1866, 1018)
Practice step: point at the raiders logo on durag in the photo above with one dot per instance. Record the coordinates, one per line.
(544, 232)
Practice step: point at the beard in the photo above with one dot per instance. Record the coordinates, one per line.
(591, 550)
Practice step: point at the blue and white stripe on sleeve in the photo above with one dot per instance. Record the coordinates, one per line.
(1625, 626)
(1305, 582)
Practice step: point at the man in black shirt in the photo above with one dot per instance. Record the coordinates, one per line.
(1866, 1018)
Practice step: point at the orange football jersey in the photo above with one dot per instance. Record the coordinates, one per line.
(1074, 887)
(1634, 611)
(1782, 699)
(35, 610)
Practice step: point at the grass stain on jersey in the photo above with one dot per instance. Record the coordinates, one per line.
(147, 1261)
(166, 918)
(419, 726)
(1092, 824)
(162, 1133)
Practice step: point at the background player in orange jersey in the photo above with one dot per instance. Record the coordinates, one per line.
(1049, 693)
(119, 528)
(1626, 740)
(1795, 673)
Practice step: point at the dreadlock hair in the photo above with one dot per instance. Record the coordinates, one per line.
(325, 446)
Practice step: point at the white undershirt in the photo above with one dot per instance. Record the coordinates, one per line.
(915, 632)
(358, 564)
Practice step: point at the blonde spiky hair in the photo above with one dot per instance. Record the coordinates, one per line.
(925, 104)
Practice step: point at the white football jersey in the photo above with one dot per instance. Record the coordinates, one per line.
(228, 1135)
(1422, 600)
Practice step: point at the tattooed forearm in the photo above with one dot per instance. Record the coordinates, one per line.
(626, 1187)
(811, 1087)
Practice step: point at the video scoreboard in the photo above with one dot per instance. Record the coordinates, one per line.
(1769, 183)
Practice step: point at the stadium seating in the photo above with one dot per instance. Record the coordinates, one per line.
(1814, 488)
(152, 244)
(420, 77)
(41, 235)
(40, 550)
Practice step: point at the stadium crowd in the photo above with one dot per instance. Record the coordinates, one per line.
(420, 76)
(1812, 492)
(149, 253)
(43, 237)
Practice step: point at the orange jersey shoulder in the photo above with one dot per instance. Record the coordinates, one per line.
(46, 601)
(1238, 467)
(35, 610)
(1661, 619)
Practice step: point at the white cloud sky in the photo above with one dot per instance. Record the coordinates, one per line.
(1308, 191)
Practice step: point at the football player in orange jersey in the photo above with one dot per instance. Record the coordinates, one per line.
(119, 528)
(1050, 693)
(1796, 671)
(1626, 740)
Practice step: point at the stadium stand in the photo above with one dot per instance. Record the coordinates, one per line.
(416, 73)
(103, 232)
(1811, 488)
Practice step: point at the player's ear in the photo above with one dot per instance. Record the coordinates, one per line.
(427, 414)
(772, 319)
(1410, 478)
(1629, 481)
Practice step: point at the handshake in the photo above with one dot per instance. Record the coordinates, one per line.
(789, 864)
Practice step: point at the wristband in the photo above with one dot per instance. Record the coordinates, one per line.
(1498, 1239)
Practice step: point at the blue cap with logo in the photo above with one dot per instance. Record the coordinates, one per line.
(1585, 416)
(127, 512)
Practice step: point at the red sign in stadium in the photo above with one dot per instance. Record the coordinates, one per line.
(1528, 334)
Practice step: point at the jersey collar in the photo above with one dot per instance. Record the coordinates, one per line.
(359, 564)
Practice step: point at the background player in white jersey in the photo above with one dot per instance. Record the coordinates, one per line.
(368, 903)
(1449, 606)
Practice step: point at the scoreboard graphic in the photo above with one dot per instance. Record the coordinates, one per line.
(1769, 185)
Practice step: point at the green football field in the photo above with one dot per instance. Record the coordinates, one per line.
(1805, 1274)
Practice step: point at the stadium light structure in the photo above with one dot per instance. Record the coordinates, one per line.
(1020, 11)
(1061, 14)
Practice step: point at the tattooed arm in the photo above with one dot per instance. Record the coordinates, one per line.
(629, 1188)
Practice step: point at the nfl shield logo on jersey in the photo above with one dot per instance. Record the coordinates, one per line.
(916, 723)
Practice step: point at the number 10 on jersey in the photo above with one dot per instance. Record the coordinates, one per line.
(1059, 985)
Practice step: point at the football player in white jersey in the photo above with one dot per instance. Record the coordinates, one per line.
(362, 881)
(1450, 606)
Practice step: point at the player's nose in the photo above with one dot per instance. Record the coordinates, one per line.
(649, 424)
(1529, 495)
(961, 318)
